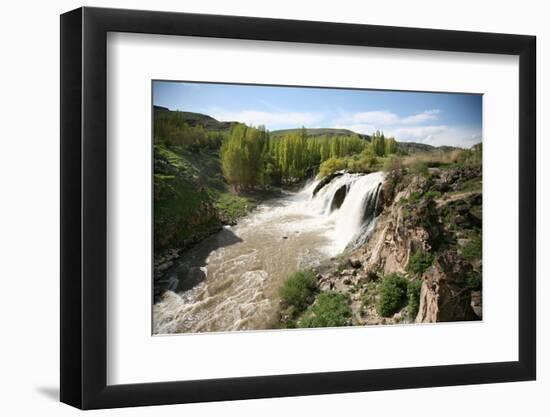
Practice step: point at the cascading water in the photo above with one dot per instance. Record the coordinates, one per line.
(245, 265)
(353, 220)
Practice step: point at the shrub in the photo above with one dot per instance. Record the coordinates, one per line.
(330, 310)
(414, 197)
(473, 280)
(331, 165)
(297, 291)
(419, 167)
(413, 295)
(393, 295)
(473, 249)
(419, 262)
(432, 195)
(392, 164)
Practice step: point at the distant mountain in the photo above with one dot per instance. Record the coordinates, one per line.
(194, 119)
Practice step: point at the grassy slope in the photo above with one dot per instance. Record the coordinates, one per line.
(192, 199)
(318, 132)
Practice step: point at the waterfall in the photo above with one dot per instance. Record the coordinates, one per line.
(354, 218)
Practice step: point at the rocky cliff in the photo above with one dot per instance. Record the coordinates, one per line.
(424, 255)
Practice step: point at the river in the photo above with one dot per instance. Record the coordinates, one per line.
(230, 281)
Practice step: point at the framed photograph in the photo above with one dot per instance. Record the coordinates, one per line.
(256, 208)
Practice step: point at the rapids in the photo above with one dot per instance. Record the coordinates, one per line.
(239, 270)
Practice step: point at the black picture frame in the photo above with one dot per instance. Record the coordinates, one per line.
(84, 207)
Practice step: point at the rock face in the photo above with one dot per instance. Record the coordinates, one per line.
(443, 296)
(438, 214)
(338, 198)
(326, 180)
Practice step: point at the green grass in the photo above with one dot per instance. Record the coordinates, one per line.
(330, 310)
(232, 206)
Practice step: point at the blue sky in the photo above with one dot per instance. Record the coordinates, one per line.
(432, 118)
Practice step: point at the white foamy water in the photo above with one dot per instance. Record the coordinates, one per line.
(246, 264)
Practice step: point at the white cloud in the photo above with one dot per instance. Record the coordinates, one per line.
(381, 118)
(412, 128)
(417, 133)
(270, 119)
(461, 136)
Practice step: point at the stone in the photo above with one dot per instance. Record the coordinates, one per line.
(475, 303)
(355, 263)
(326, 180)
(442, 297)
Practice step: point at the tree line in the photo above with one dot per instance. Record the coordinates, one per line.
(171, 128)
(251, 157)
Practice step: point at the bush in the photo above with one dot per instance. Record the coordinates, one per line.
(330, 310)
(419, 167)
(297, 291)
(393, 295)
(415, 196)
(413, 295)
(473, 249)
(419, 262)
(331, 165)
(432, 195)
(392, 164)
(473, 280)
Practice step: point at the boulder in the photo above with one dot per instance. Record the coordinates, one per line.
(475, 303)
(355, 263)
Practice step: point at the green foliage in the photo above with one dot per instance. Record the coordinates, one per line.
(473, 280)
(390, 146)
(241, 155)
(378, 143)
(392, 164)
(331, 165)
(432, 195)
(231, 206)
(392, 295)
(415, 197)
(343, 263)
(419, 167)
(330, 310)
(413, 296)
(419, 262)
(297, 291)
(470, 157)
(171, 128)
(473, 249)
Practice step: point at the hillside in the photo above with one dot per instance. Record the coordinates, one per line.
(196, 119)
(315, 132)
